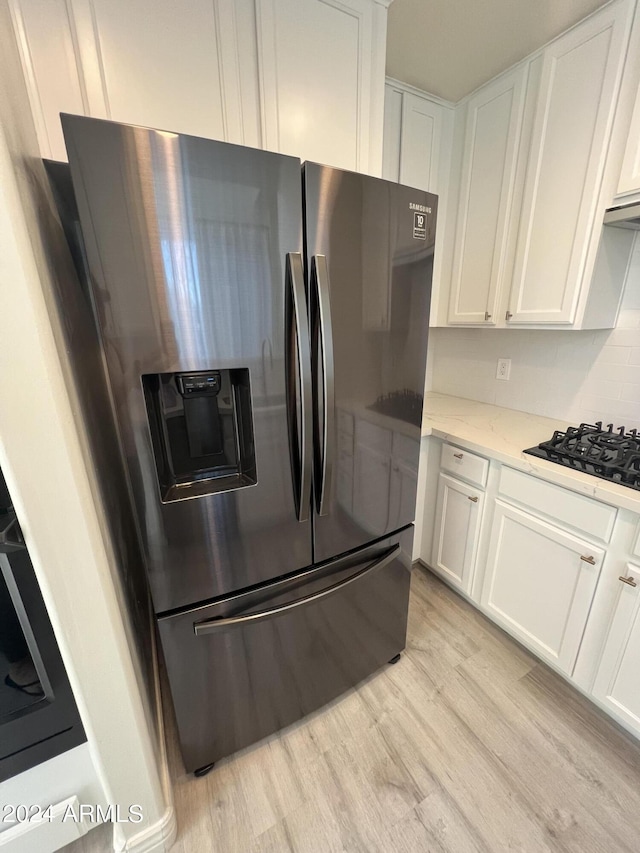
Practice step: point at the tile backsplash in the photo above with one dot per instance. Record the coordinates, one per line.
(572, 376)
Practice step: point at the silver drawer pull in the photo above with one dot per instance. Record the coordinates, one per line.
(475, 500)
(487, 316)
(628, 580)
(458, 455)
(589, 560)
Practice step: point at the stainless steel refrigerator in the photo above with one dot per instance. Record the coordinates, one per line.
(264, 328)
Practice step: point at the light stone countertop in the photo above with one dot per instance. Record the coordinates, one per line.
(503, 434)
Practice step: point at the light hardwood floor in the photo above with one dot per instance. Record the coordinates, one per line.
(467, 744)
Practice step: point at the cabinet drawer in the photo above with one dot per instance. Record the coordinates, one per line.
(562, 506)
(463, 464)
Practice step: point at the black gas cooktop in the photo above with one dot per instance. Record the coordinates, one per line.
(612, 454)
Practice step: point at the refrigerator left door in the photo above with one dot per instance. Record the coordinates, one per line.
(194, 256)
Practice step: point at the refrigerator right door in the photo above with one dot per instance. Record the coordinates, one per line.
(369, 249)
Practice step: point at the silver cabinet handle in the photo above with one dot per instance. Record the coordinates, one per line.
(458, 455)
(487, 316)
(475, 500)
(630, 580)
(324, 331)
(589, 560)
(508, 315)
(212, 626)
(300, 435)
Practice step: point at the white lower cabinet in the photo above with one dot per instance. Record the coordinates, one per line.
(617, 682)
(457, 528)
(539, 583)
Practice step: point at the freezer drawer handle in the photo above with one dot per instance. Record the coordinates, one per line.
(300, 433)
(212, 626)
(322, 325)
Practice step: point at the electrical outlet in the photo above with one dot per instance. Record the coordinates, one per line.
(503, 370)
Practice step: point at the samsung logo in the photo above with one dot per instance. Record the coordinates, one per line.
(420, 207)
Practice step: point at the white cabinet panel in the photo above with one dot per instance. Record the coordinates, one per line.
(392, 133)
(420, 142)
(45, 38)
(492, 135)
(558, 231)
(617, 682)
(316, 71)
(562, 506)
(630, 173)
(161, 68)
(457, 529)
(538, 585)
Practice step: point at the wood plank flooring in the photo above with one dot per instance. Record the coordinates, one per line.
(467, 745)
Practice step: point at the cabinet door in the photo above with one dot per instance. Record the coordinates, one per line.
(494, 121)
(457, 528)
(558, 228)
(539, 584)
(321, 66)
(46, 42)
(420, 142)
(630, 173)
(371, 489)
(617, 682)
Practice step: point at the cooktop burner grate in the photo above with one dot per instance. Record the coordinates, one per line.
(612, 454)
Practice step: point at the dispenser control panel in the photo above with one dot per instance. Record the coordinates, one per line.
(205, 382)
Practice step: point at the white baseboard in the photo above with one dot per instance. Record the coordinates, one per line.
(160, 836)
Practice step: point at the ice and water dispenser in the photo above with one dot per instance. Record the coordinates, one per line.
(202, 431)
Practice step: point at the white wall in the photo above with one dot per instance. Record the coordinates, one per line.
(43, 454)
(569, 375)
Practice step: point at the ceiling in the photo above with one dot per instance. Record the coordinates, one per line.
(450, 47)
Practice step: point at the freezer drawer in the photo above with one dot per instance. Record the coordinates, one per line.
(247, 666)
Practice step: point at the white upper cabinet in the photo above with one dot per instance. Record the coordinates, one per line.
(524, 178)
(321, 69)
(420, 142)
(303, 77)
(629, 184)
(161, 69)
(50, 66)
(492, 136)
(418, 136)
(417, 139)
(563, 202)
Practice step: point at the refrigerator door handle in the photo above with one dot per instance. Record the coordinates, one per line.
(212, 626)
(320, 276)
(299, 414)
